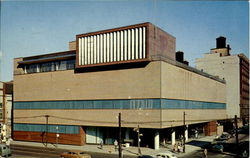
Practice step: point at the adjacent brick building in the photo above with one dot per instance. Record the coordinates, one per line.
(234, 69)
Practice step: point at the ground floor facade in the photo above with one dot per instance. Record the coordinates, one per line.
(81, 135)
(72, 107)
(94, 121)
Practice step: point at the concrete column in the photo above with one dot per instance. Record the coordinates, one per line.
(127, 133)
(186, 134)
(173, 138)
(157, 140)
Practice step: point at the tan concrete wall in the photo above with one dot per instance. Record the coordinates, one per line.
(178, 83)
(97, 117)
(174, 117)
(117, 84)
(109, 117)
(72, 45)
(221, 51)
(227, 68)
(67, 85)
(17, 70)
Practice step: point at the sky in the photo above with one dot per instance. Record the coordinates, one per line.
(40, 27)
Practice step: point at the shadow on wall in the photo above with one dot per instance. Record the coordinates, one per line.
(112, 67)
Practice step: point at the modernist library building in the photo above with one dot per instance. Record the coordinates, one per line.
(78, 94)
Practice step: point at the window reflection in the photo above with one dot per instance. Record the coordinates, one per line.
(50, 66)
(70, 64)
(46, 67)
(31, 68)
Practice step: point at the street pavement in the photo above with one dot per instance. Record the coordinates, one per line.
(20, 151)
(192, 147)
(200, 154)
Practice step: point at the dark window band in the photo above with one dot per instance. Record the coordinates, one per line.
(120, 104)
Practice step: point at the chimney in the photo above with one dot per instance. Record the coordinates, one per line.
(179, 56)
(221, 42)
(72, 45)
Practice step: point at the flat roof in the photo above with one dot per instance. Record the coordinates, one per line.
(189, 68)
(72, 54)
(48, 57)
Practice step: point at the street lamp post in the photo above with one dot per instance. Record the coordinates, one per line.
(236, 134)
(137, 129)
(139, 140)
(120, 137)
(184, 134)
(47, 122)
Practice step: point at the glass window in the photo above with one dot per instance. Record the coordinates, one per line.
(62, 65)
(50, 66)
(46, 67)
(70, 64)
(53, 66)
(56, 65)
(31, 68)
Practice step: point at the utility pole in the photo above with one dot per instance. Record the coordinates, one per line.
(46, 134)
(139, 140)
(120, 137)
(184, 129)
(137, 129)
(12, 115)
(236, 135)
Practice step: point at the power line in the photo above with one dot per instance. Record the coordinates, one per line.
(123, 121)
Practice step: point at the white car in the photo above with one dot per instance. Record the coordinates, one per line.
(166, 155)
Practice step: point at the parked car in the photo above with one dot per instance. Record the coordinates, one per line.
(245, 154)
(4, 150)
(244, 149)
(166, 155)
(75, 154)
(146, 156)
(244, 130)
(224, 137)
(241, 130)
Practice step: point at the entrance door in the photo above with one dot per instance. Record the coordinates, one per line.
(94, 135)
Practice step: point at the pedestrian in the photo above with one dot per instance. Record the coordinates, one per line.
(178, 148)
(8, 142)
(182, 140)
(174, 148)
(101, 144)
(205, 152)
(181, 148)
(196, 134)
(116, 145)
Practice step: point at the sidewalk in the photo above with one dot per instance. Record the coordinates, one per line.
(126, 150)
